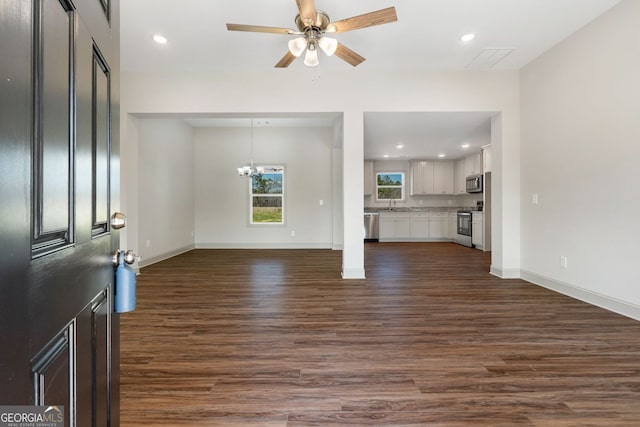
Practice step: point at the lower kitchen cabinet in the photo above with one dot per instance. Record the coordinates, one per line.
(438, 225)
(414, 226)
(477, 229)
(395, 225)
(419, 225)
(453, 225)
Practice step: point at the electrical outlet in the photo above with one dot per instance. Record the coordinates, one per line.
(563, 262)
(293, 233)
(148, 243)
(534, 198)
(321, 202)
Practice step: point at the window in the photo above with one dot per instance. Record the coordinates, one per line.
(267, 196)
(390, 185)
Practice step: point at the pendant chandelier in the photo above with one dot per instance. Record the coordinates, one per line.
(250, 170)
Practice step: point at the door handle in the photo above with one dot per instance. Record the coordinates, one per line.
(118, 220)
(129, 257)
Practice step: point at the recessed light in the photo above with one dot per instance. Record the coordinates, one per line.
(386, 156)
(465, 145)
(468, 37)
(160, 39)
(441, 155)
(399, 146)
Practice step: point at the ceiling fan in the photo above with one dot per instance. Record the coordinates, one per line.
(312, 27)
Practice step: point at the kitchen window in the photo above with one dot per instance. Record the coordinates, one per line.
(390, 186)
(267, 196)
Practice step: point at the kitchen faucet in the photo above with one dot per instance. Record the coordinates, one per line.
(394, 203)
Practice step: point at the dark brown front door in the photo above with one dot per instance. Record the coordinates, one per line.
(58, 153)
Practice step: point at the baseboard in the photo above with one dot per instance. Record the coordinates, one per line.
(263, 246)
(148, 261)
(505, 273)
(353, 273)
(608, 303)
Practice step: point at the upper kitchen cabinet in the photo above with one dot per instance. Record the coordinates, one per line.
(443, 178)
(421, 177)
(460, 173)
(486, 158)
(369, 187)
(471, 165)
(431, 177)
(474, 164)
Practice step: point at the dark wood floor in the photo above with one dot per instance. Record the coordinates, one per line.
(276, 338)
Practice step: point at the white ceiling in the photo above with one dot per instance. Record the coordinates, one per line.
(426, 37)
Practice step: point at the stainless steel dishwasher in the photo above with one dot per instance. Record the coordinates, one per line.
(371, 226)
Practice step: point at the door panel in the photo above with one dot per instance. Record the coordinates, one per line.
(52, 368)
(101, 149)
(52, 162)
(57, 148)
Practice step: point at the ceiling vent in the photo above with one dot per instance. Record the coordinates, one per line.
(488, 58)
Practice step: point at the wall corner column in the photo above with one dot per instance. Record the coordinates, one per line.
(353, 206)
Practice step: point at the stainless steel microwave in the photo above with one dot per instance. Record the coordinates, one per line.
(474, 184)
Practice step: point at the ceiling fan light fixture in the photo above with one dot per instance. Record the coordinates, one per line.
(297, 46)
(328, 45)
(311, 58)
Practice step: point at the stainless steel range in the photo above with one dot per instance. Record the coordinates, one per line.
(464, 228)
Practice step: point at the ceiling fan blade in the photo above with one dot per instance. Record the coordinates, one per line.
(379, 17)
(259, 29)
(286, 60)
(348, 55)
(307, 10)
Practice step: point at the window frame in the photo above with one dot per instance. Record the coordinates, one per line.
(402, 187)
(268, 169)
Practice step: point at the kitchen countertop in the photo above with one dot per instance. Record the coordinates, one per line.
(421, 209)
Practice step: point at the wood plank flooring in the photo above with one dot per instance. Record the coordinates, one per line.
(276, 338)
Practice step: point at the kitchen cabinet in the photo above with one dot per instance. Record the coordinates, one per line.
(474, 164)
(486, 158)
(460, 172)
(369, 178)
(419, 225)
(395, 225)
(414, 226)
(421, 177)
(432, 177)
(471, 165)
(453, 225)
(438, 225)
(443, 177)
(477, 229)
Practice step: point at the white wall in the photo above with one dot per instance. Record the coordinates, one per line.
(580, 155)
(165, 188)
(222, 197)
(352, 91)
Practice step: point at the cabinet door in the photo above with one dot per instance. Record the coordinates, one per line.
(453, 225)
(443, 178)
(417, 177)
(419, 228)
(474, 164)
(387, 228)
(438, 227)
(403, 228)
(460, 177)
(477, 229)
(486, 158)
(420, 225)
